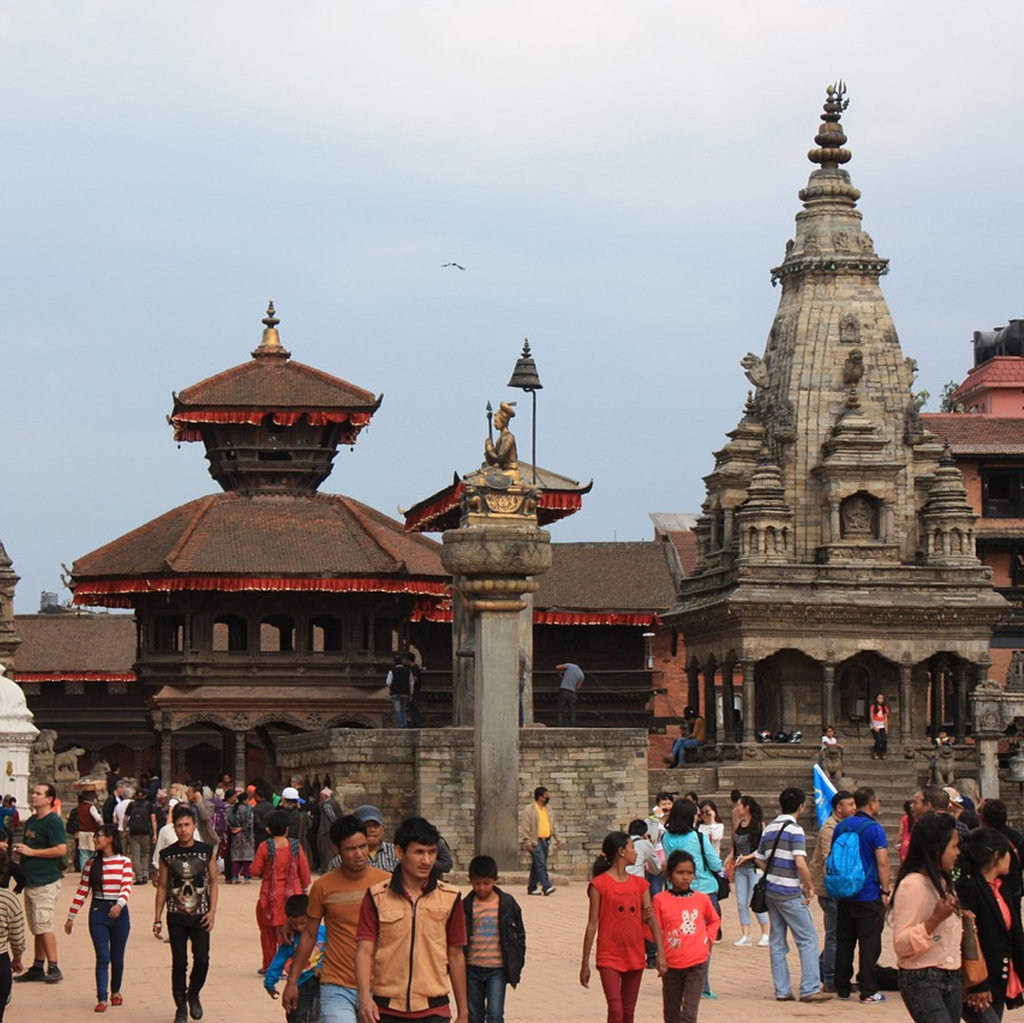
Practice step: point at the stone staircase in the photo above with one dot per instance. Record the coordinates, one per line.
(894, 779)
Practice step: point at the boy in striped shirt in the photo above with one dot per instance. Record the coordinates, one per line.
(782, 854)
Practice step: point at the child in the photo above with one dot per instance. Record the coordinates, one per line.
(620, 904)
(829, 738)
(689, 924)
(296, 908)
(497, 942)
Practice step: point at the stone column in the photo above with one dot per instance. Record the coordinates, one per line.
(728, 708)
(693, 686)
(166, 774)
(987, 747)
(710, 704)
(992, 709)
(828, 696)
(749, 703)
(463, 645)
(241, 736)
(526, 657)
(960, 689)
(493, 556)
(906, 704)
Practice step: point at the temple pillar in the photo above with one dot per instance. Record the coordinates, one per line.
(987, 748)
(693, 686)
(493, 557)
(728, 703)
(525, 635)
(241, 737)
(749, 715)
(828, 696)
(906, 704)
(710, 704)
(463, 642)
(960, 690)
(165, 750)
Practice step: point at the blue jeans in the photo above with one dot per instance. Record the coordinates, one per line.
(680, 746)
(743, 883)
(539, 866)
(109, 938)
(338, 1004)
(400, 711)
(485, 992)
(788, 913)
(932, 995)
(707, 962)
(827, 959)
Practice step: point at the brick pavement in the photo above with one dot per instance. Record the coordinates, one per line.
(550, 991)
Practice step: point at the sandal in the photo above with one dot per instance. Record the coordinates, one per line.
(116, 999)
(100, 1007)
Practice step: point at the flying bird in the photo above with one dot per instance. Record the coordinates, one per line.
(458, 266)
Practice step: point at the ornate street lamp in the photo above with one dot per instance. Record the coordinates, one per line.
(525, 377)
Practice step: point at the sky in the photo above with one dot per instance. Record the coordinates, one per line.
(617, 179)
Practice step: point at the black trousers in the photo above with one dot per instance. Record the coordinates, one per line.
(6, 978)
(566, 707)
(858, 923)
(181, 931)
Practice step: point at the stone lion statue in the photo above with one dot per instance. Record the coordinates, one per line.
(943, 766)
(67, 761)
(756, 369)
(832, 764)
(43, 744)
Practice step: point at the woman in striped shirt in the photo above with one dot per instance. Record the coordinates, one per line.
(109, 875)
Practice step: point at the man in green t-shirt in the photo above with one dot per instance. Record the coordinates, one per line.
(40, 852)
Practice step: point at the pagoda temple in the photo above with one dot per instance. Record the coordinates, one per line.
(836, 548)
(269, 608)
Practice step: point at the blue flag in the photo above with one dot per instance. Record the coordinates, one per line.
(824, 790)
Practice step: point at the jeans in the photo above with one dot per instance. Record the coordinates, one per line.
(679, 747)
(567, 706)
(307, 1009)
(827, 959)
(881, 741)
(858, 923)
(6, 982)
(339, 1004)
(621, 990)
(539, 866)
(485, 986)
(707, 962)
(181, 930)
(399, 710)
(788, 913)
(743, 882)
(680, 994)
(109, 938)
(84, 855)
(931, 995)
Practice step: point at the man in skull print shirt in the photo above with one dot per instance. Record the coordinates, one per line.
(187, 886)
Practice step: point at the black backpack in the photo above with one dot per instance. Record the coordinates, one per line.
(138, 818)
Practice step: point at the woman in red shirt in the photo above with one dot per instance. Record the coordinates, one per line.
(879, 721)
(620, 905)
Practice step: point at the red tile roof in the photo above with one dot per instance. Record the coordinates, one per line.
(268, 537)
(972, 433)
(608, 577)
(275, 384)
(1000, 371)
(72, 645)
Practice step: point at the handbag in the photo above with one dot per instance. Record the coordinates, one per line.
(723, 881)
(972, 963)
(759, 896)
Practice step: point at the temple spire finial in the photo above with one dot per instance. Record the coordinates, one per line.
(270, 343)
(830, 137)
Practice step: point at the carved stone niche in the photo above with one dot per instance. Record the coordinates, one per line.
(849, 330)
(859, 517)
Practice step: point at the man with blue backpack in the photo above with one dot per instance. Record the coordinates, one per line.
(857, 876)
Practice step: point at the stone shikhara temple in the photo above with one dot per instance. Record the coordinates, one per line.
(836, 547)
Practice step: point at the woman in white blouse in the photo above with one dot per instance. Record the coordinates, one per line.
(926, 923)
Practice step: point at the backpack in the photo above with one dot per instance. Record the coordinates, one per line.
(138, 818)
(844, 869)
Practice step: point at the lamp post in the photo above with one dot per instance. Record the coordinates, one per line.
(525, 377)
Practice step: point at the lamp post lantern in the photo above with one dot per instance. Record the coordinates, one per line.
(525, 377)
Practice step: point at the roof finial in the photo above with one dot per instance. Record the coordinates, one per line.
(270, 344)
(830, 137)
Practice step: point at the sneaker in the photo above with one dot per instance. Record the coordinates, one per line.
(708, 994)
(549, 891)
(745, 942)
(818, 996)
(32, 973)
(763, 941)
(784, 998)
(876, 997)
(53, 975)
(536, 891)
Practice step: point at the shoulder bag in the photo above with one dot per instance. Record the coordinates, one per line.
(723, 881)
(972, 963)
(758, 897)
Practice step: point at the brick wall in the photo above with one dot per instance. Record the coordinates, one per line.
(597, 777)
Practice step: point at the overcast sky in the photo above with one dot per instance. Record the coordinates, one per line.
(617, 179)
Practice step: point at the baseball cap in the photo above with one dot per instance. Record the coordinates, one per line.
(367, 812)
(291, 793)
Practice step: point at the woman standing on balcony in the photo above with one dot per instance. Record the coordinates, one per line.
(879, 719)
